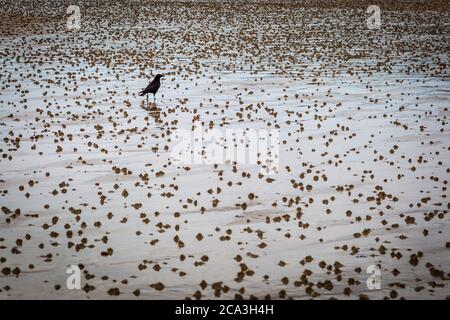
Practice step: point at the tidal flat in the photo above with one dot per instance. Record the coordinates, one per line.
(87, 177)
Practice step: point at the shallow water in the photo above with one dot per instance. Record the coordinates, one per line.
(362, 116)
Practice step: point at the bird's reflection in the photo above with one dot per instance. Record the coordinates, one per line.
(154, 112)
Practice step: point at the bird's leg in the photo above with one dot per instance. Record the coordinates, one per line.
(147, 97)
(154, 98)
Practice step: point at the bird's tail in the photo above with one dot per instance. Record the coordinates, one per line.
(141, 93)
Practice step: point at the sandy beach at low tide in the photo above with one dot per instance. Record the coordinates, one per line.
(87, 177)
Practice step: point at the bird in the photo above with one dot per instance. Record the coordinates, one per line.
(152, 87)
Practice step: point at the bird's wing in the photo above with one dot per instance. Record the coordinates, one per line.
(150, 87)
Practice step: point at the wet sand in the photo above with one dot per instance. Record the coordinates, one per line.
(87, 178)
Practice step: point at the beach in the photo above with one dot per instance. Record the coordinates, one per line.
(88, 177)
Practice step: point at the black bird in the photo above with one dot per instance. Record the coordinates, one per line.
(152, 87)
